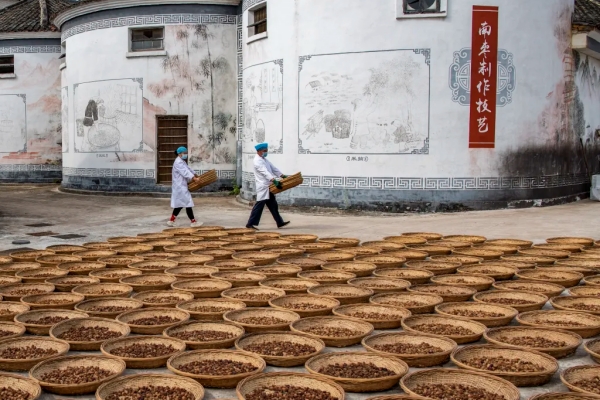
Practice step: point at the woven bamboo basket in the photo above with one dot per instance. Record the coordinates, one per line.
(6, 260)
(10, 280)
(257, 257)
(35, 276)
(81, 267)
(68, 283)
(286, 252)
(9, 309)
(274, 243)
(381, 317)
(398, 367)
(18, 382)
(158, 245)
(345, 294)
(119, 261)
(263, 235)
(408, 254)
(210, 235)
(277, 271)
(465, 238)
(568, 268)
(239, 278)
(186, 249)
(570, 247)
(588, 281)
(55, 260)
(382, 261)
(231, 265)
(254, 296)
(539, 260)
(519, 300)
(223, 334)
(591, 264)
(477, 282)
(572, 240)
(14, 292)
(310, 248)
(202, 288)
(186, 273)
(362, 250)
(514, 263)
(358, 268)
(216, 381)
(425, 235)
(113, 275)
(564, 343)
(290, 285)
(280, 358)
(406, 240)
(588, 291)
(155, 235)
(11, 330)
(425, 323)
(10, 269)
(584, 324)
(210, 309)
(412, 383)
(390, 344)
(462, 260)
(56, 301)
(548, 289)
(274, 380)
(351, 331)
(157, 255)
(110, 349)
(305, 305)
(566, 279)
(180, 231)
(130, 318)
(333, 256)
(450, 294)
(154, 266)
(385, 245)
(287, 183)
(243, 248)
(57, 330)
(300, 238)
(341, 243)
(590, 251)
(451, 244)
(414, 276)
(327, 277)
(498, 272)
(564, 396)
(108, 307)
(143, 283)
(95, 255)
(240, 231)
(100, 245)
(416, 303)
(126, 240)
(209, 228)
(523, 244)
(437, 267)
(546, 366)
(479, 252)
(506, 250)
(571, 378)
(577, 303)
(239, 239)
(192, 260)
(557, 254)
(204, 180)
(29, 255)
(100, 290)
(162, 298)
(34, 323)
(115, 366)
(281, 318)
(592, 347)
(65, 248)
(307, 264)
(381, 285)
(57, 347)
(145, 380)
(490, 315)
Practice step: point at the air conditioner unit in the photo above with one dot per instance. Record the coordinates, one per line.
(421, 6)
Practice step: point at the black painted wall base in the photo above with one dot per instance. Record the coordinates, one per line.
(31, 177)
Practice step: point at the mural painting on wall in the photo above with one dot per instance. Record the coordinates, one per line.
(108, 116)
(198, 79)
(13, 126)
(65, 119)
(365, 103)
(263, 106)
(587, 80)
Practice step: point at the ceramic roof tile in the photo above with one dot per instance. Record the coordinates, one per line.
(587, 12)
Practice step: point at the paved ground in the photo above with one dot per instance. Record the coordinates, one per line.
(98, 218)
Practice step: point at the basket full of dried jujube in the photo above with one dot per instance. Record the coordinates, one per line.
(151, 386)
(39, 322)
(307, 264)
(381, 317)
(414, 276)
(9, 330)
(577, 303)
(288, 386)
(520, 301)
(162, 298)
(381, 285)
(566, 279)
(584, 324)
(450, 294)
(358, 268)
(183, 273)
(262, 319)
(100, 290)
(17, 387)
(68, 283)
(554, 342)
(39, 275)
(345, 294)
(88, 333)
(582, 379)
(277, 271)
(416, 303)
(20, 354)
(545, 288)
(239, 278)
(108, 307)
(290, 285)
(152, 321)
(281, 349)
(113, 275)
(327, 277)
(145, 282)
(253, 296)
(494, 270)
(477, 282)
(143, 351)
(9, 309)
(305, 305)
(57, 301)
(202, 288)
(461, 330)
(334, 331)
(201, 335)
(490, 315)
(14, 292)
(210, 309)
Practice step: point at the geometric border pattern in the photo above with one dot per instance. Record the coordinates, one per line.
(29, 49)
(157, 19)
(129, 173)
(29, 167)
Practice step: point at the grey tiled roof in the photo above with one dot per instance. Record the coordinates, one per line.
(24, 16)
(587, 12)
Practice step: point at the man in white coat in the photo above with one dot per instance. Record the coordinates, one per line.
(180, 194)
(265, 173)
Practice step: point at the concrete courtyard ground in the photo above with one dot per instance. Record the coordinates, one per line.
(98, 218)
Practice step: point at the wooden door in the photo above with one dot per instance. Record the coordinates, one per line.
(172, 134)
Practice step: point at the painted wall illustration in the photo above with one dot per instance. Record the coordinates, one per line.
(13, 125)
(263, 106)
(64, 92)
(587, 80)
(364, 103)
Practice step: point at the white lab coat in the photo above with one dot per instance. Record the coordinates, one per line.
(264, 171)
(182, 174)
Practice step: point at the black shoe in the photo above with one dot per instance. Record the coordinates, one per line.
(284, 224)
(252, 227)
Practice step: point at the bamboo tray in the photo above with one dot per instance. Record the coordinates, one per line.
(414, 276)
(113, 275)
(489, 383)
(436, 267)
(382, 261)
(571, 376)
(117, 367)
(11, 330)
(416, 303)
(479, 252)
(186, 273)
(566, 279)
(462, 260)
(498, 272)
(345, 294)
(25, 364)
(406, 240)
(451, 244)
(399, 367)
(588, 291)
(157, 255)
(523, 244)
(408, 254)
(186, 248)
(290, 285)
(57, 301)
(180, 231)
(273, 243)
(425, 235)
(548, 365)
(81, 267)
(584, 324)
(18, 382)
(9, 309)
(333, 256)
(231, 265)
(438, 356)
(192, 260)
(358, 268)
(557, 254)
(381, 317)
(110, 346)
(29, 255)
(497, 315)
(520, 301)
(359, 329)
(65, 248)
(307, 264)
(163, 298)
(202, 288)
(242, 247)
(158, 245)
(142, 380)
(94, 255)
(11, 280)
(287, 183)
(119, 261)
(55, 260)
(155, 235)
(516, 264)
(143, 283)
(181, 331)
(30, 319)
(592, 347)
(539, 260)
(282, 379)
(257, 257)
(239, 278)
(153, 266)
(100, 245)
(264, 235)
(58, 329)
(97, 307)
(300, 238)
(341, 243)
(285, 251)
(477, 282)
(237, 317)
(569, 341)
(39, 275)
(100, 290)
(548, 289)
(465, 238)
(126, 240)
(450, 294)
(588, 281)
(281, 359)
(577, 303)
(277, 271)
(506, 250)
(210, 309)
(254, 296)
(433, 250)
(311, 248)
(204, 180)
(16, 291)
(129, 317)
(364, 251)
(238, 239)
(381, 285)
(384, 245)
(477, 329)
(216, 381)
(68, 283)
(563, 396)
(572, 240)
(320, 305)
(10, 269)
(570, 247)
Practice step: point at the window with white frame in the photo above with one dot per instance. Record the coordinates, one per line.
(7, 64)
(421, 8)
(257, 20)
(147, 39)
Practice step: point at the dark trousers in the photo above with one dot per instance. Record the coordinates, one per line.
(258, 208)
(189, 211)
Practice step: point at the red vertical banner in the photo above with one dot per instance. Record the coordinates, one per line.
(484, 78)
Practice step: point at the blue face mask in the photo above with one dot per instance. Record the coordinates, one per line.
(265, 154)
(184, 157)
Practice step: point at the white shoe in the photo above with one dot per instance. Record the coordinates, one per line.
(196, 224)
(171, 223)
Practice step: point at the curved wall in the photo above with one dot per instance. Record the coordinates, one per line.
(373, 110)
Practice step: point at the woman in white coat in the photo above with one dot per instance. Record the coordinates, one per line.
(180, 194)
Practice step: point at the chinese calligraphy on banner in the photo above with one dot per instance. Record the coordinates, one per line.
(484, 77)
